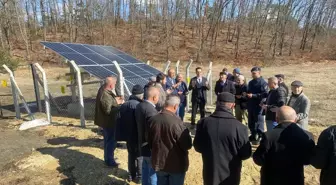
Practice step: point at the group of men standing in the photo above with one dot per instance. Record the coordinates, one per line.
(158, 141)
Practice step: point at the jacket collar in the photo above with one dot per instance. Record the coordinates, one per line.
(222, 113)
(133, 97)
(164, 111)
(284, 125)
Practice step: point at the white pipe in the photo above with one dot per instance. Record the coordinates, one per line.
(177, 66)
(120, 78)
(17, 89)
(188, 81)
(127, 89)
(148, 62)
(46, 91)
(80, 92)
(167, 67)
(209, 77)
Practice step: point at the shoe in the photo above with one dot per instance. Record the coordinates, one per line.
(130, 178)
(113, 165)
(137, 180)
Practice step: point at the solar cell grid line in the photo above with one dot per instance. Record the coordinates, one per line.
(125, 68)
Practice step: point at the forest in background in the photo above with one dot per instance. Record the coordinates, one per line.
(160, 30)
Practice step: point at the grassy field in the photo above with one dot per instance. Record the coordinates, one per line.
(74, 155)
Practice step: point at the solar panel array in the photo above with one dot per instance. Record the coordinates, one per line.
(97, 60)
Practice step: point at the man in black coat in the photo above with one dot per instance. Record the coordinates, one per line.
(284, 151)
(223, 142)
(130, 130)
(199, 86)
(257, 90)
(241, 100)
(143, 112)
(224, 85)
(324, 156)
(276, 98)
(281, 80)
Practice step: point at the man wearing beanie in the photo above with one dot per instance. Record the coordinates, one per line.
(235, 74)
(223, 142)
(257, 90)
(130, 131)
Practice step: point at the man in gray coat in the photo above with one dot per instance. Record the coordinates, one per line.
(300, 103)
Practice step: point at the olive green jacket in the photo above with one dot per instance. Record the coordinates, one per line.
(107, 109)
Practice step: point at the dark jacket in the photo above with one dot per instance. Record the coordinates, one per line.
(143, 112)
(242, 102)
(223, 142)
(259, 88)
(282, 153)
(106, 109)
(170, 82)
(275, 98)
(199, 91)
(127, 125)
(283, 85)
(324, 156)
(170, 141)
(184, 89)
(150, 84)
(228, 86)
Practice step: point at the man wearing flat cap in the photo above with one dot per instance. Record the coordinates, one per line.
(223, 142)
(130, 131)
(300, 103)
(257, 91)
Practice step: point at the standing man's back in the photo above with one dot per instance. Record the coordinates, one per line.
(284, 151)
(223, 142)
(324, 156)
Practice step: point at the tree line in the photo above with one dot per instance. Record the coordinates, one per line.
(266, 28)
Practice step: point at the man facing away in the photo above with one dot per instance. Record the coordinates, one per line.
(257, 88)
(127, 118)
(223, 142)
(199, 86)
(284, 150)
(241, 100)
(224, 85)
(276, 98)
(106, 111)
(281, 80)
(143, 112)
(300, 103)
(170, 141)
(324, 156)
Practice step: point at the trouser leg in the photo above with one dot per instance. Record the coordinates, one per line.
(238, 113)
(194, 107)
(131, 160)
(202, 108)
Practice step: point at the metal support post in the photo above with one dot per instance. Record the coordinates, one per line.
(72, 82)
(121, 80)
(177, 66)
(165, 70)
(80, 92)
(188, 81)
(46, 91)
(148, 62)
(209, 77)
(36, 88)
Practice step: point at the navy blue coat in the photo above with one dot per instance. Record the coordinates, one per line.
(127, 125)
(259, 88)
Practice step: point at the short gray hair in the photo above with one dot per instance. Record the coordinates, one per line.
(172, 100)
(273, 79)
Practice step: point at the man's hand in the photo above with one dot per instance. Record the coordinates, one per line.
(206, 83)
(169, 91)
(180, 92)
(249, 95)
(120, 100)
(263, 106)
(238, 96)
(193, 83)
(274, 109)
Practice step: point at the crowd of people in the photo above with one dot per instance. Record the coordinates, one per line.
(158, 141)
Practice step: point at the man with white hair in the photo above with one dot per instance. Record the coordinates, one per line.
(241, 100)
(170, 141)
(106, 111)
(284, 150)
(276, 98)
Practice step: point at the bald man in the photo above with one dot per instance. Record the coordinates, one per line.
(107, 108)
(143, 112)
(284, 150)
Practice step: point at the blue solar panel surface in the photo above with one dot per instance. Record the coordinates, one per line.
(98, 61)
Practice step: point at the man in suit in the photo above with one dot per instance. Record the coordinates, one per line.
(224, 85)
(199, 86)
(170, 81)
(300, 103)
(284, 151)
(223, 142)
(143, 112)
(324, 156)
(107, 108)
(256, 91)
(181, 91)
(130, 131)
(276, 98)
(170, 141)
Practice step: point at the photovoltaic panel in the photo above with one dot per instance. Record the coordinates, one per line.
(98, 61)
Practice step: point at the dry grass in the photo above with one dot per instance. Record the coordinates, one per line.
(74, 154)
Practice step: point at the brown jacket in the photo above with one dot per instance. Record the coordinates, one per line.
(107, 108)
(170, 141)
